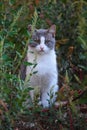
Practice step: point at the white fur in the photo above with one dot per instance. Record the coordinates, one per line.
(42, 45)
(47, 75)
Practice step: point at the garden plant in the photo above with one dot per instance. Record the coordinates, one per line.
(70, 109)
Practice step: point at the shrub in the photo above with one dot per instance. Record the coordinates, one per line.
(70, 18)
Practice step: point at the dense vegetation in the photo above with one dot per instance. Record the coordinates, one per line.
(70, 18)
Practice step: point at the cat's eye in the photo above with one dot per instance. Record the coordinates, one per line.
(37, 40)
(47, 41)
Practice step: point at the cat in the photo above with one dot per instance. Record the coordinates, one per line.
(41, 50)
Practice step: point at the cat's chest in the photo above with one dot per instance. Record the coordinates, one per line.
(45, 64)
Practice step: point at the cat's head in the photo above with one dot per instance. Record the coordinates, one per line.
(43, 40)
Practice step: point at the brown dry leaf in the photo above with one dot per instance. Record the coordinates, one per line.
(62, 89)
(70, 51)
(16, 129)
(61, 127)
(62, 41)
(72, 92)
(2, 103)
(49, 22)
(1, 112)
(37, 2)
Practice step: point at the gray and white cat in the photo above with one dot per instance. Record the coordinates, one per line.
(42, 51)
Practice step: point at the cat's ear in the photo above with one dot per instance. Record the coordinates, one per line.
(52, 30)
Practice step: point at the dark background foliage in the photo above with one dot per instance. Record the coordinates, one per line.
(70, 18)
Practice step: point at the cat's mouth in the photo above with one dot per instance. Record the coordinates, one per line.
(41, 51)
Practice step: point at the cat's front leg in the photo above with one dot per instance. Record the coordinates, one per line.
(45, 100)
(49, 96)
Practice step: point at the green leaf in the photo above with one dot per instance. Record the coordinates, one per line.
(83, 99)
(35, 72)
(28, 63)
(34, 65)
(83, 43)
(83, 67)
(64, 1)
(10, 44)
(67, 77)
(77, 78)
(18, 54)
(83, 56)
(11, 2)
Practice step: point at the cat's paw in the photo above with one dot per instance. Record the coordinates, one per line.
(45, 104)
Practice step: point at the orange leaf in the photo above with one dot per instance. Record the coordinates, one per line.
(4, 105)
(62, 89)
(62, 41)
(37, 2)
(70, 51)
(1, 112)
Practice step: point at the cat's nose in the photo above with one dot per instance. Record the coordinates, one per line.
(41, 48)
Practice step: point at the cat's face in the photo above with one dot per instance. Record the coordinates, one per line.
(43, 40)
